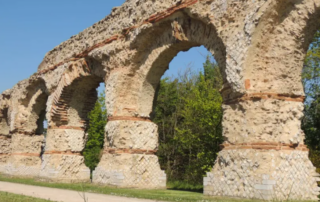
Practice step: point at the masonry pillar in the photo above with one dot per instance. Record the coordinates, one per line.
(129, 158)
(25, 160)
(131, 140)
(62, 159)
(263, 155)
(5, 152)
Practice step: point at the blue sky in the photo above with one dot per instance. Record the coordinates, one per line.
(30, 28)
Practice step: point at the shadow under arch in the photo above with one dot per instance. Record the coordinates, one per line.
(4, 122)
(34, 106)
(75, 96)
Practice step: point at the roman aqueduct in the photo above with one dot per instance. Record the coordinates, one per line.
(260, 46)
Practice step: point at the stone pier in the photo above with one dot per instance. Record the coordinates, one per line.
(62, 160)
(129, 158)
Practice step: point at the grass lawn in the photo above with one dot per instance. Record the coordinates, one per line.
(163, 195)
(7, 197)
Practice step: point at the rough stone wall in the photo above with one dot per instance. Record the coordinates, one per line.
(5, 138)
(263, 121)
(24, 109)
(260, 47)
(129, 158)
(268, 175)
(279, 44)
(25, 158)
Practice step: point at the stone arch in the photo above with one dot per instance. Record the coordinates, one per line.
(78, 84)
(182, 34)
(129, 131)
(27, 130)
(279, 44)
(32, 107)
(71, 102)
(155, 48)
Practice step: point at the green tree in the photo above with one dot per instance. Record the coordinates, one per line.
(97, 122)
(311, 82)
(200, 133)
(188, 113)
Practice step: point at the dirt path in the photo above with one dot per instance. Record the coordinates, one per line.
(61, 195)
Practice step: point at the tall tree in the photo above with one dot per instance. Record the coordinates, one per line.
(311, 82)
(189, 114)
(97, 122)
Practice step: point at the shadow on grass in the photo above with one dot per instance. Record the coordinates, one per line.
(184, 186)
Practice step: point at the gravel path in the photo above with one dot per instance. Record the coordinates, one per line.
(61, 195)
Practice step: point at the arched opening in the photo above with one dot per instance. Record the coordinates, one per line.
(68, 139)
(180, 34)
(97, 120)
(35, 106)
(39, 112)
(188, 111)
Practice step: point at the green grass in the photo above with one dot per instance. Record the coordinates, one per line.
(162, 195)
(7, 197)
(184, 186)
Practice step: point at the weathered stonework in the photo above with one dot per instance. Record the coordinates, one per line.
(129, 158)
(260, 47)
(265, 174)
(62, 160)
(25, 155)
(64, 167)
(130, 170)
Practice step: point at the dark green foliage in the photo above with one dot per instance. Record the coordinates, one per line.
(311, 124)
(188, 113)
(181, 185)
(311, 81)
(97, 122)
